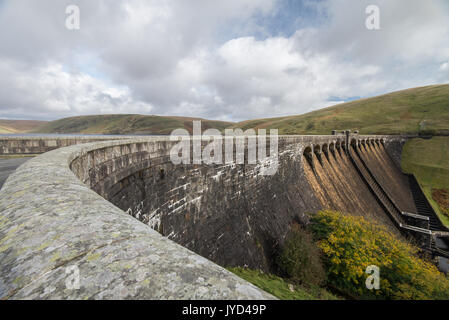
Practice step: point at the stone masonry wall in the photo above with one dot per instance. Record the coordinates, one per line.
(230, 213)
(36, 145)
(51, 224)
(53, 215)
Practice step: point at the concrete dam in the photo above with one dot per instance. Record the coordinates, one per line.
(138, 226)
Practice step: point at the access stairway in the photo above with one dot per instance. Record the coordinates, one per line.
(424, 225)
(423, 206)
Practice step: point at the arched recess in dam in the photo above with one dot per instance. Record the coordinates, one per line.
(395, 183)
(337, 185)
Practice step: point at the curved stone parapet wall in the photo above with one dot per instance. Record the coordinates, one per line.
(50, 221)
(53, 216)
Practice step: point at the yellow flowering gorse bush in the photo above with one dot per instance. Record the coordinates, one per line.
(351, 244)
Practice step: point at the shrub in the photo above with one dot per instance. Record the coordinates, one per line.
(441, 196)
(299, 258)
(350, 244)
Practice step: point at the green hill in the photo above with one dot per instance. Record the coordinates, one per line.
(18, 126)
(429, 161)
(418, 110)
(125, 124)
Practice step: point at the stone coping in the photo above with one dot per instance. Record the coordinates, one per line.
(52, 227)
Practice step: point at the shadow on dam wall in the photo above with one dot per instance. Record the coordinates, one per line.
(231, 214)
(338, 186)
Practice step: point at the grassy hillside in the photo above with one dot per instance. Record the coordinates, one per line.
(416, 110)
(429, 161)
(125, 124)
(19, 126)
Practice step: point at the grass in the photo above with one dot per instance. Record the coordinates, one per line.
(418, 110)
(125, 124)
(18, 126)
(441, 196)
(280, 288)
(6, 130)
(429, 161)
(435, 205)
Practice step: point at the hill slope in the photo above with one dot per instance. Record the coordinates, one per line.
(416, 110)
(429, 161)
(19, 126)
(125, 124)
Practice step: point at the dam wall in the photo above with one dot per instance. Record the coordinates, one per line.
(81, 205)
(30, 145)
(229, 213)
(54, 229)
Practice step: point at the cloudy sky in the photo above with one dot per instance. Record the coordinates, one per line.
(228, 59)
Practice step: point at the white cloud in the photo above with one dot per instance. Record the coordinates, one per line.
(52, 92)
(200, 58)
(269, 78)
